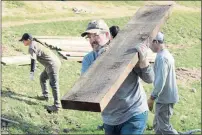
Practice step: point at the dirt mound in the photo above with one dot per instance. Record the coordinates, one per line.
(187, 74)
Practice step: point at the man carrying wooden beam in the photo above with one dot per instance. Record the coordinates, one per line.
(165, 90)
(127, 111)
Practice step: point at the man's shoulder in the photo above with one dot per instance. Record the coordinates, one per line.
(165, 58)
(89, 55)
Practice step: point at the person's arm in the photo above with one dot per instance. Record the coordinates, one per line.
(85, 65)
(145, 73)
(33, 63)
(160, 77)
(143, 68)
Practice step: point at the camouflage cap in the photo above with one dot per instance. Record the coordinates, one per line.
(96, 26)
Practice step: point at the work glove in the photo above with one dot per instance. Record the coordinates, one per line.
(31, 76)
(142, 50)
(102, 50)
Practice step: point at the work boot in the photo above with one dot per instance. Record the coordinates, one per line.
(42, 98)
(52, 109)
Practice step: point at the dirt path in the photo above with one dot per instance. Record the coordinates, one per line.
(188, 75)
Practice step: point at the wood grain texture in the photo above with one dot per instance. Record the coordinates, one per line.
(73, 54)
(95, 88)
(16, 60)
(70, 58)
(58, 42)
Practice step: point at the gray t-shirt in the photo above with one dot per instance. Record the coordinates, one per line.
(165, 86)
(130, 99)
(45, 56)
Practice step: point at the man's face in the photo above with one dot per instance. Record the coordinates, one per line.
(97, 40)
(154, 46)
(26, 42)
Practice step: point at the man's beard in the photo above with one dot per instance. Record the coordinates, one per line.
(99, 48)
(96, 47)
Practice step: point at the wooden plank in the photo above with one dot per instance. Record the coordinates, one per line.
(9, 121)
(74, 49)
(76, 45)
(73, 54)
(79, 59)
(64, 41)
(70, 58)
(59, 37)
(17, 60)
(95, 88)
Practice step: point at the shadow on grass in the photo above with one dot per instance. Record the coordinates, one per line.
(16, 96)
(25, 127)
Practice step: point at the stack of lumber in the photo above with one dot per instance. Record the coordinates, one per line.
(74, 48)
(16, 60)
(70, 48)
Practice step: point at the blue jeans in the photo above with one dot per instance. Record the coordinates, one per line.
(135, 125)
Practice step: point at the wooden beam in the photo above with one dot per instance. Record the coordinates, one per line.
(60, 37)
(70, 58)
(73, 54)
(17, 60)
(54, 41)
(95, 88)
(9, 121)
(79, 59)
(75, 49)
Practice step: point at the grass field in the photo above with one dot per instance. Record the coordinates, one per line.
(183, 35)
(193, 4)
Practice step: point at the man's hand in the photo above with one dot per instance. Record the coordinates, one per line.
(150, 103)
(142, 51)
(142, 54)
(32, 76)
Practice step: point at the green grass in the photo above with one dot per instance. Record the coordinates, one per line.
(28, 8)
(10, 36)
(19, 103)
(120, 3)
(184, 28)
(192, 4)
(18, 92)
(14, 4)
(188, 56)
(39, 17)
(187, 112)
(46, 16)
(190, 105)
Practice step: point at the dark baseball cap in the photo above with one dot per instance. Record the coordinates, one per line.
(26, 36)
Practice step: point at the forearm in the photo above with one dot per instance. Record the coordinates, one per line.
(147, 74)
(85, 66)
(161, 73)
(144, 63)
(33, 65)
(158, 86)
